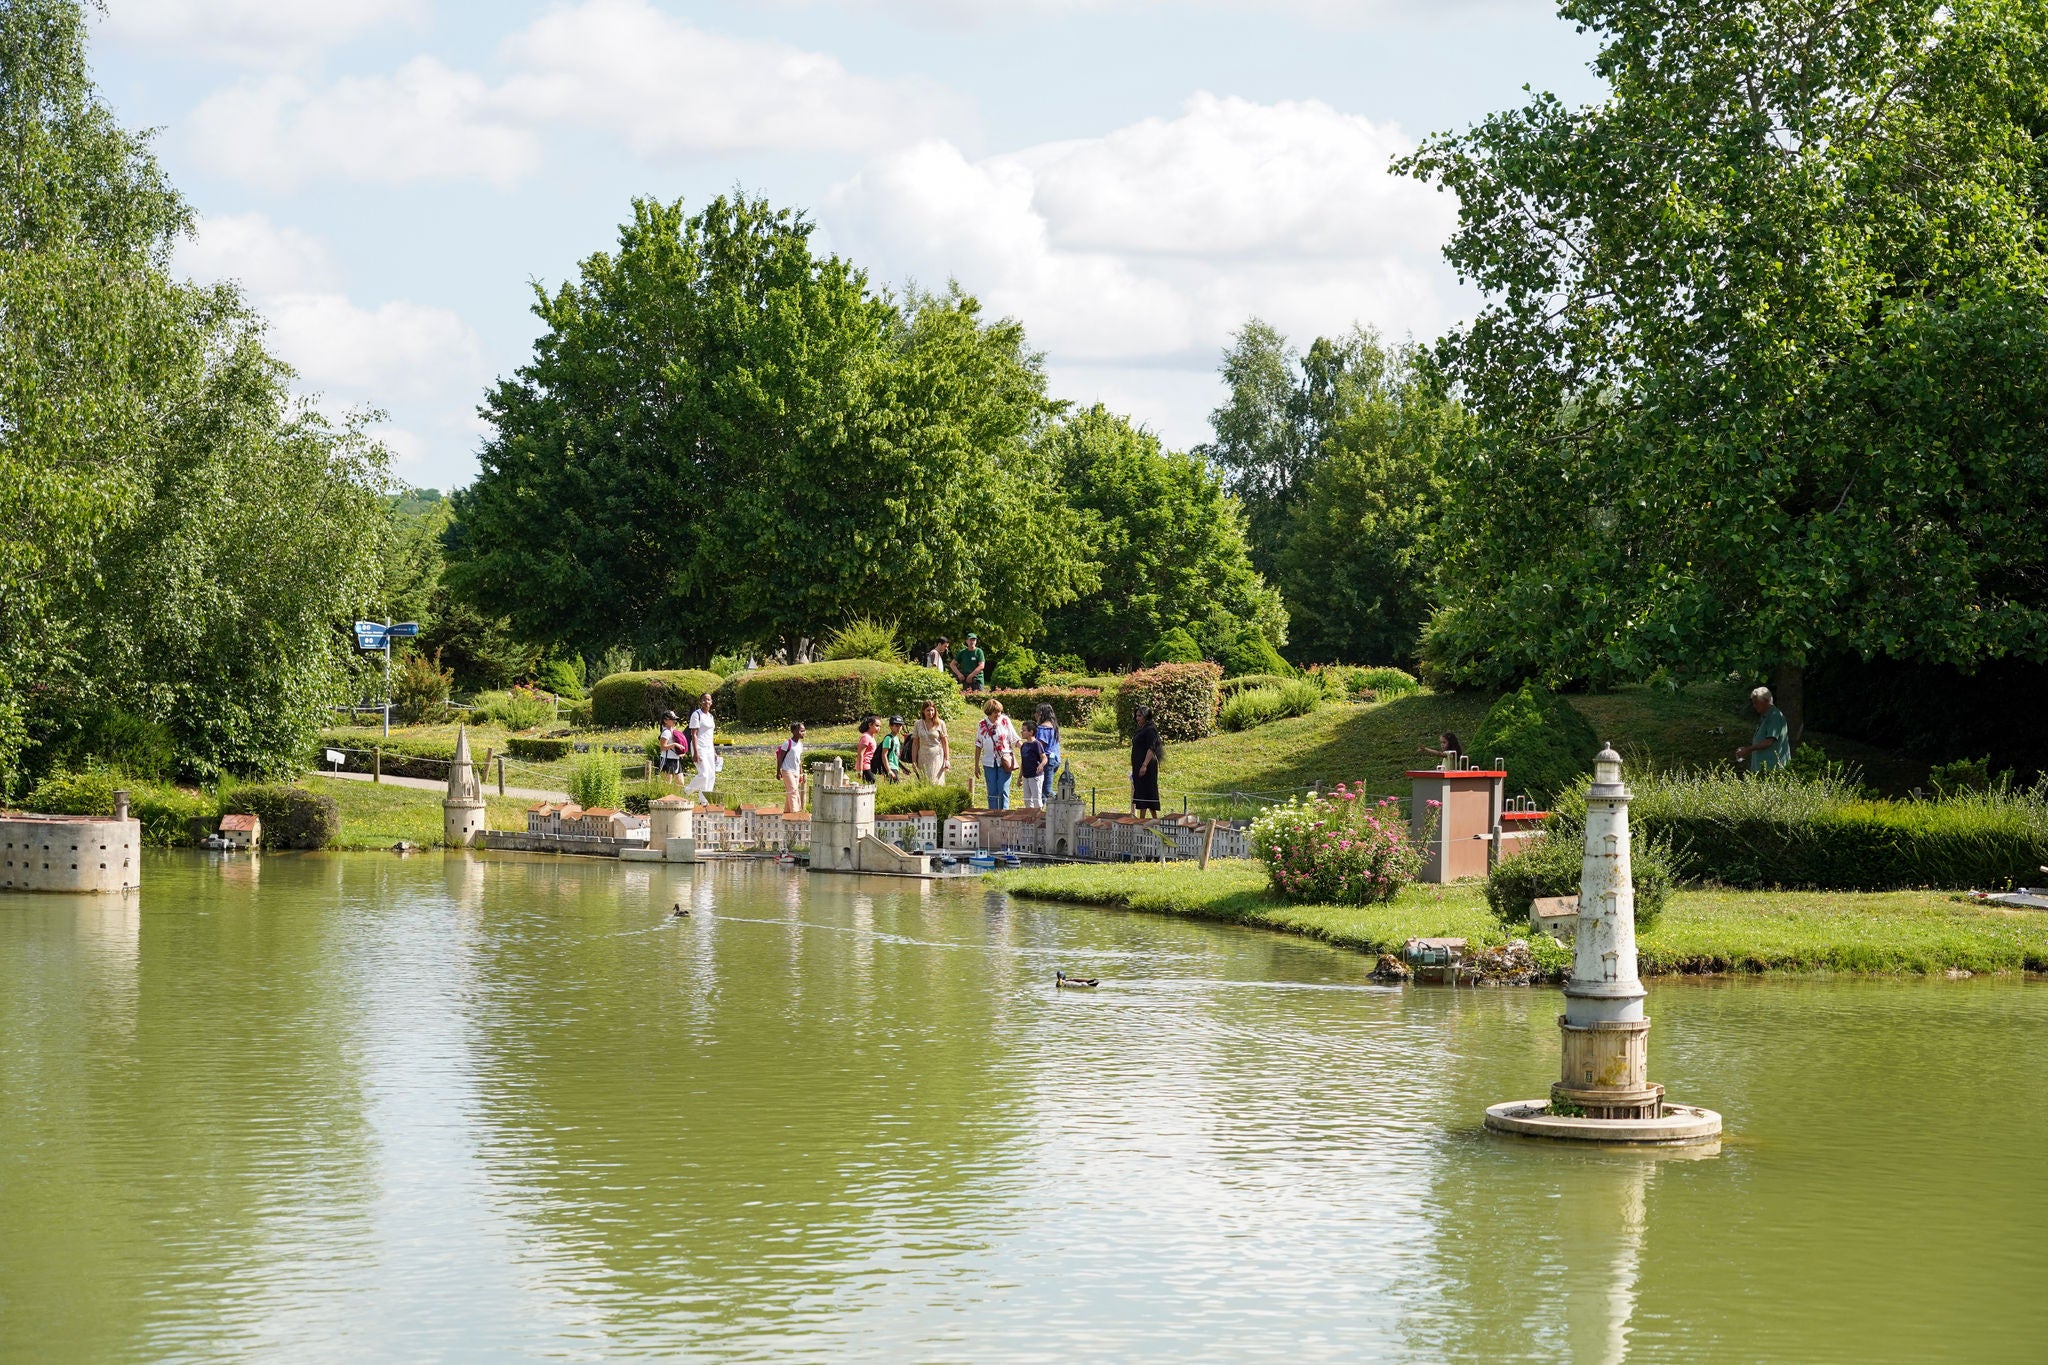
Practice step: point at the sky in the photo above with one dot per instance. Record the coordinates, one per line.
(1132, 179)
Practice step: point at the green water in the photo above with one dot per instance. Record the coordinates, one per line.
(364, 1108)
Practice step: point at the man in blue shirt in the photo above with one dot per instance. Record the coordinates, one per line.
(1770, 747)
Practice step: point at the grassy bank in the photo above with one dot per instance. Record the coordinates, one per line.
(1690, 727)
(1899, 932)
(378, 816)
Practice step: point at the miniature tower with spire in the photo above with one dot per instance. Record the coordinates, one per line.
(462, 810)
(1603, 1091)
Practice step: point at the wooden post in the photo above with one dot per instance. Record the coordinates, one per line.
(647, 771)
(1208, 845)
(377, 763)
(501, 774)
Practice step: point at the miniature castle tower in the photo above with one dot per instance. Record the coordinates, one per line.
(1063, 818)
(671, 829)
(842, 814)
(462, 810)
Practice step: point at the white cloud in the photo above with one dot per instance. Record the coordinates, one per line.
(1147, 247)
(264, 257)
(424, 362)
(622, 66)
(616, 67)
(256, 31)
(955, 14)
(425, 122)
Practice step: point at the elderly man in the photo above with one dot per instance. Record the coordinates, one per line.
(1771, 746)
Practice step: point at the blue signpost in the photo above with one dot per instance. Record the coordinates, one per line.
(379, 635)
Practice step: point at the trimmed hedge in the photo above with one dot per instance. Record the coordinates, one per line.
(1554, 865)
(292, 816)
(625, 700)
(904, 693)
(1246, 682)
(1184, 699)
(539, 748)
(896, 798)
(1824, 835)
(1547, 745)
(1072, 705)
(831, 693)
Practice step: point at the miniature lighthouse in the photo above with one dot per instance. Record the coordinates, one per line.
(462, 810)
(1603, 1092)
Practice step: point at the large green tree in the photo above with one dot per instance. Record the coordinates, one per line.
(726, 438)
(1166, 541)
(1762, 366)
(1356, 561)
(178, 539)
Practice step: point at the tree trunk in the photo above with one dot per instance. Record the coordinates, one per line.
(1788, 689)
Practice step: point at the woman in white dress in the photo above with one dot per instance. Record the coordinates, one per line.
(703, 733)
(933, 761)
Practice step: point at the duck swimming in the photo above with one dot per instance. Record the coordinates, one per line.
(678, 912)
(1077, 983)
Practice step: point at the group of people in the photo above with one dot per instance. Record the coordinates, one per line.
(1002, 752)
(968, 664)
(691, 744)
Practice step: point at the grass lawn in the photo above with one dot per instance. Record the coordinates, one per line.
(374, 815)
(1899, 932)
(1654, 726)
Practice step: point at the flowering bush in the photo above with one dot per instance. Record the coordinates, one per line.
(1343, 848)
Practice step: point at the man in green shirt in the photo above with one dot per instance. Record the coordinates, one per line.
(970, 665)
(1770, 747)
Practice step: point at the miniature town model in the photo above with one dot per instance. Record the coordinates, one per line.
(76, 853)
(1462, 819)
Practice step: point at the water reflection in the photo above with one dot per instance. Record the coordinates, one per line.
(507, 1108)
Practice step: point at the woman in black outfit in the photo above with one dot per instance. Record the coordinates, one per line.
(1146, 751)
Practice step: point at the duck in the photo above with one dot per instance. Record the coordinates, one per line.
(1076, 983)
(677, 912)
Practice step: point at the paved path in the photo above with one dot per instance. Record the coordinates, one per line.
(434, 784)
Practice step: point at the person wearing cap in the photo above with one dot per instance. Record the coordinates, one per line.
(970, 664)
(889, 761)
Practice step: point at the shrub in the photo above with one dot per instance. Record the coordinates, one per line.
(1250, 681)
(1249, 710)
(1251, 652)
(173, 816)
(576, 714)
(107, 735)
(563, 677)
(725, 665)
(1174, 647)
(596, 781)
(1018, 668)
(830, 693)
(1072, 706)
(625, 700)
(1339, 849)
(1346, 682)
(1956, 776)
(1823, 834)
(539, 748)
(1547, 744)
(90, 792)
(419, 690)
(292, 816)
(905, 691)
(865, 638)
(1183, 698)
(1552, 867)
(522, 708)
(894, 798)
(1070, 664)
(617, 659)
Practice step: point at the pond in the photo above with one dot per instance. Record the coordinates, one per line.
(364, 1107)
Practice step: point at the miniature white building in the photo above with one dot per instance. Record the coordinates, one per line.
(463, 815)
(241, 831)
(843, 828)
(963, 832)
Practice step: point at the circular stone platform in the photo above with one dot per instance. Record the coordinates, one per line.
(1682, 1123)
